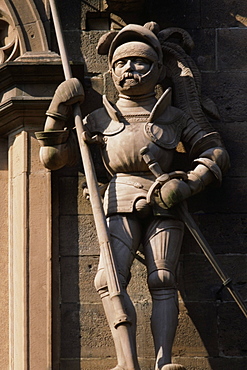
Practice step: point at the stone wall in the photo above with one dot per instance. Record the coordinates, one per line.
(212, 330)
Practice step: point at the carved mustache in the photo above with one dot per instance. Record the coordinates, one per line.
(129, 75)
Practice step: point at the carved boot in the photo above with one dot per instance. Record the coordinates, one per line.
(173, 367)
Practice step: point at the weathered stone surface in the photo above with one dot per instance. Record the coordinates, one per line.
(197, 330)
(95, 63)
(224, 233)
(169, 14)
(196, 337)
(235, 139)
(235, 41)
(96, 338)
(88, 364)
(204, 52)
(199, 281)
(73, 39)
(77, 279)
(227, 90)
(145, 347)
(126, 5)
(209, 363)
(70, 331)
(70, 14)
(68, 191)
(81, 238)
(229, 198)
(138, 289)
(71, 187)
(216, 14)
(236, 343)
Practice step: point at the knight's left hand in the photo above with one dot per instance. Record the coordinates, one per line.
(174, 192)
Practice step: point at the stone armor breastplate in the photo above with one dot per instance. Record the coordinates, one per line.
(121, 152)
(124, 139)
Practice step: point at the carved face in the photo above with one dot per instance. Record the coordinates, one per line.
(134, 68)
(130, 70)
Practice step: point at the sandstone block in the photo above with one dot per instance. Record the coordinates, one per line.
(77, 279)
(78, 235)
(215, 14)
(234, 40)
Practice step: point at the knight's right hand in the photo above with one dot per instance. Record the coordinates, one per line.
(68, 92)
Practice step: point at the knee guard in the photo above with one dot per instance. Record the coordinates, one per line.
(162, 284)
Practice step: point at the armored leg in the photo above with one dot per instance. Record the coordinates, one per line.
(125, 239)
(162, 248)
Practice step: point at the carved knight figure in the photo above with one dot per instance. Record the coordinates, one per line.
(138, 136)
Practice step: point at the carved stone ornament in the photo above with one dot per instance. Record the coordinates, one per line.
(9, 41)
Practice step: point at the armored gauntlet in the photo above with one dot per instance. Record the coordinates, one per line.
(210, 166)
(68, 92)
(58, 145)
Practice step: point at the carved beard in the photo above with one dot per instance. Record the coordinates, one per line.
(129, 79)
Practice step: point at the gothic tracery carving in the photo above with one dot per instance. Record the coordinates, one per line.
(9, 41)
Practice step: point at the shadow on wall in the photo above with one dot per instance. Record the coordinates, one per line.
(220, 337)
(66, 302)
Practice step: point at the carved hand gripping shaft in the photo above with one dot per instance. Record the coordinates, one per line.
(121, 320)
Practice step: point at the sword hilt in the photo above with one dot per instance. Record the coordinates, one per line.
(161, 177)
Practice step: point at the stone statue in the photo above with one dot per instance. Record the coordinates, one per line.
(138, 137)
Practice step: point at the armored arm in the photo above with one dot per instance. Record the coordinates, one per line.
(58, 144)
(211, 162)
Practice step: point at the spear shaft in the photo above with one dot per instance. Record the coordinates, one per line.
(122, 323)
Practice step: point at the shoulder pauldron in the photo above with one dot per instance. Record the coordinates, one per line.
(99, 121)
(166, 130)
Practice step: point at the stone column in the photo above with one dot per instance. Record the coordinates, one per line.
(26, 339)
(26, 216)
(4, 258)
(29, 254)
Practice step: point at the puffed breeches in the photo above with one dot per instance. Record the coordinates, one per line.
(161, 239)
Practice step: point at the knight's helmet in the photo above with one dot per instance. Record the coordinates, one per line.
(135, 41)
